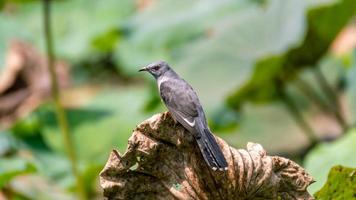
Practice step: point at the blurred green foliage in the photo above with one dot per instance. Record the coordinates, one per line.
(326, 155)
(76, 30)
(271, 71)
(13, 167)
(103, 122)
(217, 40)
(232, 52)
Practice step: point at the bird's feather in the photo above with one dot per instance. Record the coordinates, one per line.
(180, 102)
(183, 103)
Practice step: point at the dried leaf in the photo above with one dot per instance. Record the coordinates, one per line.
(25, 82)
(163, 162)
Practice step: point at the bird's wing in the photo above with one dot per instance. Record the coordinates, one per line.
(184, 106)
(181, 102)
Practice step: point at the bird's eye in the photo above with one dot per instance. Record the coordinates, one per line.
(155, 68)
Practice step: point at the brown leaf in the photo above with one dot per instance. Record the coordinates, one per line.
(25, 82)
(162, 161)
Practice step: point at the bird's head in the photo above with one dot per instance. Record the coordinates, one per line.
(156, 68)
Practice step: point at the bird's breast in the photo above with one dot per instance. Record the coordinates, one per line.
(160, 81)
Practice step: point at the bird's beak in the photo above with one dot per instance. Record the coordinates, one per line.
(143, 69)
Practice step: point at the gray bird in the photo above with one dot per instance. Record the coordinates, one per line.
(184, 106)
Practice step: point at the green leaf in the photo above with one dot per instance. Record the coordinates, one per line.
(12, 167)
(106, 42)
(27, 127)
(341, 184)
(326, 155)
(319, 36)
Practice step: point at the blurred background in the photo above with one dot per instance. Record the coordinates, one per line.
(281, 73)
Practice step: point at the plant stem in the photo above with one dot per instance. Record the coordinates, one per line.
(296, 114)
(60, 113)
(332, 96)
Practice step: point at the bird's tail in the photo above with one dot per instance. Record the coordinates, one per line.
(211, 151)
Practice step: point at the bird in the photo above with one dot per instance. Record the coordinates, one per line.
(185, 108)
